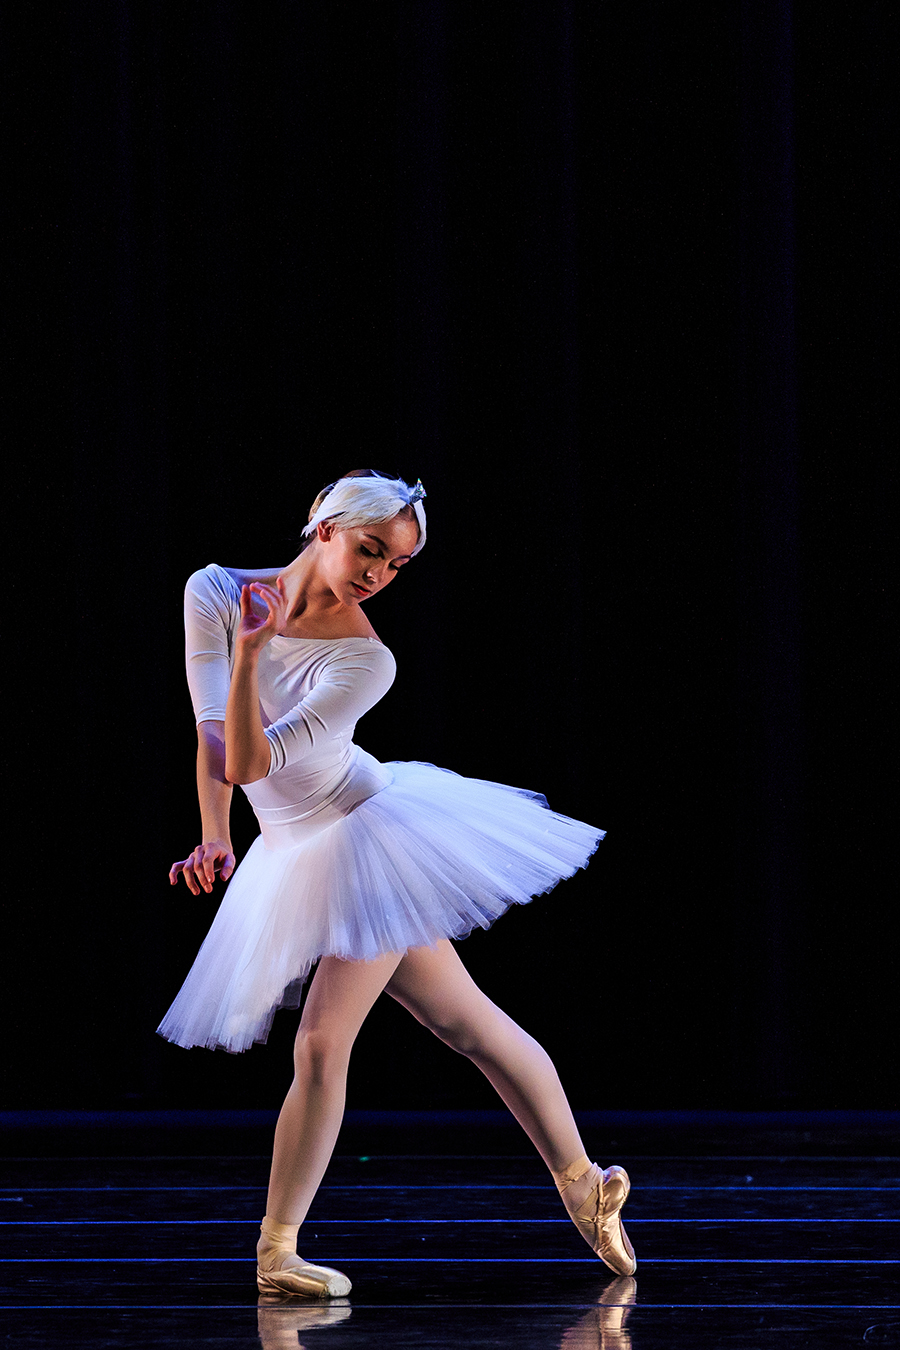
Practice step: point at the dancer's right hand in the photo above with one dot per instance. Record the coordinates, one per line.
(199, 870)
(254, 631)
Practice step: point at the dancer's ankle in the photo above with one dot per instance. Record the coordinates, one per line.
(276, 1238)
(569, 1175)
(576, 1182)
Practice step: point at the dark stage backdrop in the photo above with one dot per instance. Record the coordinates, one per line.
(613, 281)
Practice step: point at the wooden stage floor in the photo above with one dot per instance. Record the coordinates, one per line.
(773, 1231)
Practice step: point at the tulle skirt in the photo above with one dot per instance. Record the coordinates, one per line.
(432, 855)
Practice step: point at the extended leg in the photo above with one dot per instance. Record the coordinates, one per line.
(435, 987)
(340, 997)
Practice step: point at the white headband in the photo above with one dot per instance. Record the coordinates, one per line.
(368, 501)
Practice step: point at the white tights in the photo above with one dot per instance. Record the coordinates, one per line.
(433, 984)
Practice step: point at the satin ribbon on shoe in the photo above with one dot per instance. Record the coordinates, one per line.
(598, 1217)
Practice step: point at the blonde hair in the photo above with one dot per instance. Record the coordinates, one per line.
(366, 497)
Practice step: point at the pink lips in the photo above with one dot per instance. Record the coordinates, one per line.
(361, 589)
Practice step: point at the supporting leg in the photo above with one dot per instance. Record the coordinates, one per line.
(340, 997)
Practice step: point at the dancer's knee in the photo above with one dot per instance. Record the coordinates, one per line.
(459, 1035)
(469, 1032)
(320, 1053)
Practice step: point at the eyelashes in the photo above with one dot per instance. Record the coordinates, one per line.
(369, 554)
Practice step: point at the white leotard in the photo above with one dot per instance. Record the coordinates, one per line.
(312, 691)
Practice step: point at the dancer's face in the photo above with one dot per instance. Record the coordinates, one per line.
(363, 560)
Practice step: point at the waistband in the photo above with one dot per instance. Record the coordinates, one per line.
(286, 826)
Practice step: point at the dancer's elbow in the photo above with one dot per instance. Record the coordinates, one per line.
(247, 769)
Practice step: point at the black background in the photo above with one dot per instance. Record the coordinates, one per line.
(614, 281)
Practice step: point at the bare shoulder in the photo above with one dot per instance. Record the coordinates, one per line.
(370, 631)
(353, 623)
(340, 626)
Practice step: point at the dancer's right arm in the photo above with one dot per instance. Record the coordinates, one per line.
(207, 622)
(214, 794)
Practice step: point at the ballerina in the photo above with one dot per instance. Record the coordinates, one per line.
(364, 870)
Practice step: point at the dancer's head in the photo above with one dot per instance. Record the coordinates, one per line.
(368, 523)
(368, 497)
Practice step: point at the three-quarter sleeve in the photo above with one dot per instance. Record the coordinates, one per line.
(355, 677)
(210, 614)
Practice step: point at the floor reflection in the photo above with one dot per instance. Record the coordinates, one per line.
(604, 1327)
(790, 1250)
(280, 1320)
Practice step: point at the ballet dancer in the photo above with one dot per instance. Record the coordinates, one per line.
(364, 870)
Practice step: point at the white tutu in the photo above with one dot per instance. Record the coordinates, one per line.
(432, 855)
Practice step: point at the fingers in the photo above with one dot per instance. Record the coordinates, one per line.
(274, 599)
(204, 869)
(268, 593)
(265, 593)
(186, 870)
(199, 870)
(207, 870)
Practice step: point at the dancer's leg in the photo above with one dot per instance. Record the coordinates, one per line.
(434, 985)
(436, 988)
(339, 999)
(340, 996)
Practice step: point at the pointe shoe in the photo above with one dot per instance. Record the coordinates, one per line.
(296, 1276)
(598, 1218)
(281, 1271)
